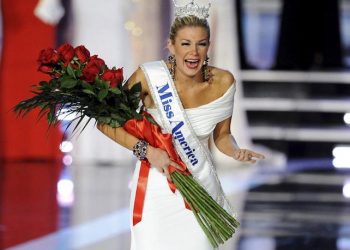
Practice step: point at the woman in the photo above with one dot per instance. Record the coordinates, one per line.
(202, 96)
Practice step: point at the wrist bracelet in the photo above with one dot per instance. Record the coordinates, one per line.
(140, 149)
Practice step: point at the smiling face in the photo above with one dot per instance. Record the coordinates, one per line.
(190, 47)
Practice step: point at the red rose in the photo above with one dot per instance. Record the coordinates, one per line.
(93, 68)
(82, 53)
(66, 51)
(98, 61)
(47, 56)
(75, 66)
(47, 69)
(114, 76)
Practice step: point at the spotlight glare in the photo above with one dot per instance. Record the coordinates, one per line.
(65, 192)
(346, 189)
(341, 163)
(66, 146)
(341, 152)
(347, 118)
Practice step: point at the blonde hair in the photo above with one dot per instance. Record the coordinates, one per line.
(187, 21)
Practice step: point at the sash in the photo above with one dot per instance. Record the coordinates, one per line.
(175, 121)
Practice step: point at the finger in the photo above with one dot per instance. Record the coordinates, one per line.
(166, 173)
(160, 170)
(236, 155)
(175, 165)
(242, 155)
(257, 155)
(247, 157)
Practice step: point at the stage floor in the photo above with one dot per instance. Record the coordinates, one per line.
(303, 205)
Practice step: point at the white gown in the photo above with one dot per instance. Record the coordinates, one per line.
(166, 224)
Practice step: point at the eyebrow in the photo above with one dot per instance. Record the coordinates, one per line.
(202, 40)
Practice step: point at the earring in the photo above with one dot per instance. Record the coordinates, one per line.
(172, 62)
(205, 70)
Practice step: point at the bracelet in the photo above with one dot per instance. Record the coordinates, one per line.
(140, 149)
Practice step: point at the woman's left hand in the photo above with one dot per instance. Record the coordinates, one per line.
(246, 155)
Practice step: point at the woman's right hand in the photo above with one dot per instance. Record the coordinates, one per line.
(159, 159)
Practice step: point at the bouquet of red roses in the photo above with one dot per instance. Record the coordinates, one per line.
(83, 85)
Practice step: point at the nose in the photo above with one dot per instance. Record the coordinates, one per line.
(195, 49)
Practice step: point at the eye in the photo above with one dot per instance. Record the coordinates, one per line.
(185, 44)
(203, 44)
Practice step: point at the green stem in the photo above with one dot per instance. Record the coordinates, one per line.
(201, 222)
(208, 200)
(228, 216)
(221, 232)
(214, 217)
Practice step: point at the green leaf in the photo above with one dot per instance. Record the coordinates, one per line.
(124, 107)
(98, 82)
(136, 88)
(54, 83)
(115, 91)
(102, 119)
(115, 116)
(102, 94)
(68, 83)
(70, 70)
(87, 86)
(42, 105)
(78, 73)
(104, 84)
(51, 116)
(43, 83)
(88, 91)
(114, 124)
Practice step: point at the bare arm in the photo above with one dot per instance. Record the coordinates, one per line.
(119, 135)
(158, 158)
(223, 139)
(226, 143)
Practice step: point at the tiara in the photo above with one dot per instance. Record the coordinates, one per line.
(192, 8)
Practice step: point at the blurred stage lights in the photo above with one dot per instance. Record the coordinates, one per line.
(65, 192)
(133, 28)
(67, 160)
(346, 189)
(66, 146)
(341, 157)
(129, 25)
(347, 118)
(137, 31)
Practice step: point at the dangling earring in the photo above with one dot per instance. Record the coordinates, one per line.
(205, 70)
(172, 62)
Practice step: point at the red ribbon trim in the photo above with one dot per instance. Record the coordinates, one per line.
(145, 130)
(140, 192)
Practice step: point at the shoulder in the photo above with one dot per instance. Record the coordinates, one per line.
(139, 73)
(224, 79)
(136, 77)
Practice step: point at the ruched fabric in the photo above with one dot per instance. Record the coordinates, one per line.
(166, 223)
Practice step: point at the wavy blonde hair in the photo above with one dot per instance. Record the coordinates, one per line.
(187, 21)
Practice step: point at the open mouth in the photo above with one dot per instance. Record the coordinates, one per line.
(192, 63)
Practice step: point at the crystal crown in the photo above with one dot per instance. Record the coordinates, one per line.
(192, 8)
